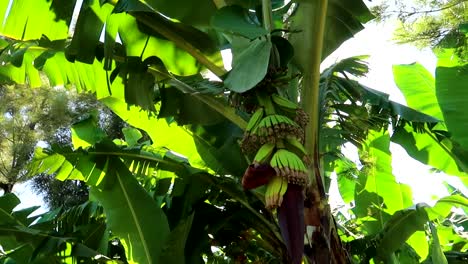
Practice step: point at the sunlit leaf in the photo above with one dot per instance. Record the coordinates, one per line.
(415, 82)
(399, 228)
(132, 214)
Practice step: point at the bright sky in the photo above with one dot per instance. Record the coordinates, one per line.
(375, 41)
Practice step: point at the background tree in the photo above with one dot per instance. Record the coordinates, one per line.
(72, 107)
(428, 23)
(22, 126)
(44, 116)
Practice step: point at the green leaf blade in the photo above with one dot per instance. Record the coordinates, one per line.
(132, 214)
(250, 66)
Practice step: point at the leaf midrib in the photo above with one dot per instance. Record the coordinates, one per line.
(135, 219)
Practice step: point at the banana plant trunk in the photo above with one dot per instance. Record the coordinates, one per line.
(324, 244)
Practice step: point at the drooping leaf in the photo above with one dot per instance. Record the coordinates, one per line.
(30, 19)
(132, 214)
(376, 111)
(377, 169)
(426, 148)
(344, 19)
(174, 250)
(415, 82)
(436, 249)
(443, 206)
(236, 20)
(250, 66)
(451, 76)
(399, 228)
(132, 136)
(86, 132)
(87, 32)
(197, 13)
(58, 70)
(186, 109)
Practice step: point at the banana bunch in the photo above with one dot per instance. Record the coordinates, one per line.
(270, 127)
(277, 140)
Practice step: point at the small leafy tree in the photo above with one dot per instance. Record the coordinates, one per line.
(428, 23)
(273, 124)
(27, 116)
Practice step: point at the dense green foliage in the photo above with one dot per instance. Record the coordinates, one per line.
(175, 196)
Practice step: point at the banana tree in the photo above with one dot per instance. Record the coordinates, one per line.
(264, 137)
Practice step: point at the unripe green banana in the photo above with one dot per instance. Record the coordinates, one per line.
(294, 142)
(255, 119)
(275, 190)
(283, 102)
(286, 120)
(264, 153)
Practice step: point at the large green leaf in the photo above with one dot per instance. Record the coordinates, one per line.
(44, 239)
(170, 37)
(416, 82)
(250, 66)
(48, 57)
(343, 20)
(157, 129)
(86, 133)
(418, 241)
(146, 43)
(426, 148)
(434, 148)
(378, 194)
(399, 228)
(233, 19)
(451, 77)
(197, 13)
(437, 253)
(30, 19)
(132, 214)
(444, 206)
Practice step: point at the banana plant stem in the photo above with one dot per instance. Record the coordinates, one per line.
(267, 15)
(314, 19)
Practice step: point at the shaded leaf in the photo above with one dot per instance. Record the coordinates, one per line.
(174, 250)
(250, 66)
(236, 20)
(132, 214)
(399, 228)
(436, 250)
(451, 93)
